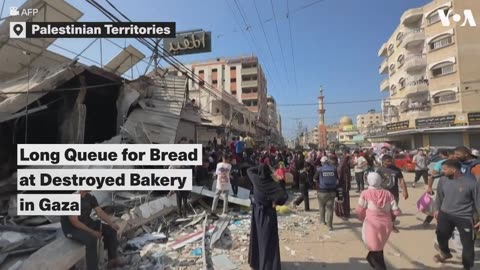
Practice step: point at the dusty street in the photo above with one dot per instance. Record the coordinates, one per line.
(307, 245)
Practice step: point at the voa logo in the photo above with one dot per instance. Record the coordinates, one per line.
(467, 17)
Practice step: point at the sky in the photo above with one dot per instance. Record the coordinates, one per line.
(332, 43)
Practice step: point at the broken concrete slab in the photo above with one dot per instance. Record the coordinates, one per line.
(242, 193)
(205, 192)
(221, 224)
(146, 213)
(139, 242)
(222, 262)
(191, 238)
(47, 257)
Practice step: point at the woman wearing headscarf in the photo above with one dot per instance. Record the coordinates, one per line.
(264, 250)
(342, 208)
(375, 208)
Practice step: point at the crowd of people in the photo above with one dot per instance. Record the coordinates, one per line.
(265, 172)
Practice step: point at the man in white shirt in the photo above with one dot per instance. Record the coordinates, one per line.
(361, 166)
(223, 183)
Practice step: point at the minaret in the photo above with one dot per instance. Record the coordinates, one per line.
(322, 129)
(321, 108)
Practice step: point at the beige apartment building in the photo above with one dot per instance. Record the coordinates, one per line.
(238, 103)
(274, 121)
(431, 70)
(371, 118)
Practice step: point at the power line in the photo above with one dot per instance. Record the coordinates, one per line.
(247, 29)
(67, 89)
(291, 46)
(279, 41)
(168, 57)
(474, 91)
(308, 5)
(331, 103)
(266, 38)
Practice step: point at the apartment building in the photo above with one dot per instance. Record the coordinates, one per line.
(248, 84)
(371, 118)
(238, 103)
(431, 71)
(274, 121)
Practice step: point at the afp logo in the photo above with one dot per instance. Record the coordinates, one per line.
(467, 18)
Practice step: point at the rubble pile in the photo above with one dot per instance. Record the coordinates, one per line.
(181, 244)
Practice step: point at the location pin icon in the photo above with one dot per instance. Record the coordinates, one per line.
(18, 29)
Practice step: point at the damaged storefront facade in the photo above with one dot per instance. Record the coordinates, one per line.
(75, 105)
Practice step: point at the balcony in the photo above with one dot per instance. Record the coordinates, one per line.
(415, 63)
(383, 50)
(417, 85)
(417, 103)
(414, 38)
(249, 96)
(385, 85)
(412, 15)
(383, 67)
(249, 71)
(251, 83)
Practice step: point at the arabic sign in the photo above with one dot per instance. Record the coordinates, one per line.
(433, 122)
(189, 43)
(398, 125)
(474, 118)
(376, 131)
(358, 138)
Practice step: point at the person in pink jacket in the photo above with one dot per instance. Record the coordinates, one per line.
(375, 208)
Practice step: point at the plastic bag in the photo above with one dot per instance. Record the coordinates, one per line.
(426, 204)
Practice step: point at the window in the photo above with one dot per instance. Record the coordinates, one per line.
(434, 17)
(250, 102)
(363, 122)
(392, 69)
(201, 72)
(249, 77)
(443, 69)
(440, 42)
(390, 49)
(214, 81)
(233, 80)
(393, 90)
(399, 38)
(234, 92)
(400, 60)
(444, 97)
(214, 70)
(233, 68)
(402, 83)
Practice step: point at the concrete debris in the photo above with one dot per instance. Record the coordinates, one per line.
(221, 224)
(191, 238)
(147, 238)
(209, 193)
(222, 262)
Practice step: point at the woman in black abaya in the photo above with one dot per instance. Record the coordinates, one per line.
(264, 253)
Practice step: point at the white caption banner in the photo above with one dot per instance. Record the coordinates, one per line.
(104, 179)
(108, 154)
(48, 204)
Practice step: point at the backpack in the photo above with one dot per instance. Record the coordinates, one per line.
(468, 166)
(328, 178)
